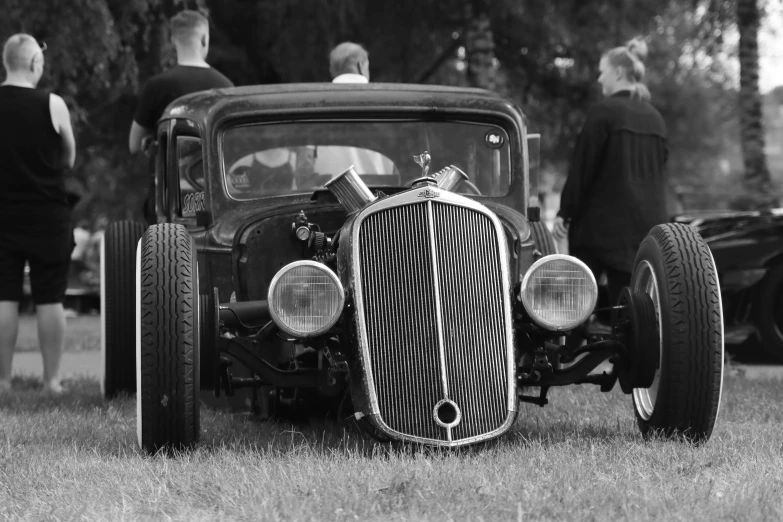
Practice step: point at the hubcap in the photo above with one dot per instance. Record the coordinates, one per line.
(644, 398)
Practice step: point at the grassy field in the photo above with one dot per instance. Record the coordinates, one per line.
(581, 458)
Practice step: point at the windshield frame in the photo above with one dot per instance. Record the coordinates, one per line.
(495, 120)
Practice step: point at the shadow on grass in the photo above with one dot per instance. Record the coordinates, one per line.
(27, 395)
(108, 428)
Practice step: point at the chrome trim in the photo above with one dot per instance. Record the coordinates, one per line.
(547, 259)
(350, 190)
(326, 270)
(423, 160)
(438, 311)
(644, 401)
(411, 197)
(450, 178)
(451, 424)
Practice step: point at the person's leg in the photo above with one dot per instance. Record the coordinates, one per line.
(49, 269)
(9, 329)
(51, 337)
(12, 262)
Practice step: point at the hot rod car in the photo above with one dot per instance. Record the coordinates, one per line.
(374, 247)
(748, 250)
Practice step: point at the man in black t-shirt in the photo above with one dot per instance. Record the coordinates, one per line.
(190, 36)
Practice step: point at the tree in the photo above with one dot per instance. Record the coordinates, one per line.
(757, 177)
(541, 53)
(479, 46)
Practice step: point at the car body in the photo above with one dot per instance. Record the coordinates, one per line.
(748, 250)
(302, 235)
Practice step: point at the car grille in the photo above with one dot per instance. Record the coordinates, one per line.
(423, 265)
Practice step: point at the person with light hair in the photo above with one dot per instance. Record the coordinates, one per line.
(37, 146)
(349, 63)
(190, 37)
(615, 191)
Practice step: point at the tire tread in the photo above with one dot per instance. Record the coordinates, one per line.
(169, 334)
(691, 379)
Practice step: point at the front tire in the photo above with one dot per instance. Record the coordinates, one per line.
(674, 266)
(168, 340)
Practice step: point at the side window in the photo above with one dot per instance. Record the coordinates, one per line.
(190, 168)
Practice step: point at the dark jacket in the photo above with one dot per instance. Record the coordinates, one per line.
(615, 192)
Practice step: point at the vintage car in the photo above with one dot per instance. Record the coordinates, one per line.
(370, 249)
(748, 250)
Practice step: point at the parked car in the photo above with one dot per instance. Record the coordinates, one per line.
(369, 249)
(748, 250)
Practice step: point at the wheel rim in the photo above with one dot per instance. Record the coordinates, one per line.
(646, 283)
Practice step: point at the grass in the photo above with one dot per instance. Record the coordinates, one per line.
(580, 458)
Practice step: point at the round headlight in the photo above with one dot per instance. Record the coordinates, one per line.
(559, 292)
(305, 298)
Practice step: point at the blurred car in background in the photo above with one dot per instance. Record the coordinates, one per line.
(748, 251)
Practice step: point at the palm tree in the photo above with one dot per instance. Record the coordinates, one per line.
(757, 177)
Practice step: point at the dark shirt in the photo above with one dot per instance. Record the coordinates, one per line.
(615, 192)
(32, 180)
(166, 87)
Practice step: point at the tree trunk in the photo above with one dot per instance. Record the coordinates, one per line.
(757, 177)
(479, 47)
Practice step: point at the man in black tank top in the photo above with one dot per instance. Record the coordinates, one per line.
(190, 36)
(36, 147)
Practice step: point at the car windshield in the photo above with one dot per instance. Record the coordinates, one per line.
(287, 158)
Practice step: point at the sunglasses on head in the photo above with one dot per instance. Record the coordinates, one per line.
(43, 47)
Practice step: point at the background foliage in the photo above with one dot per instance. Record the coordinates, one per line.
(541, 53)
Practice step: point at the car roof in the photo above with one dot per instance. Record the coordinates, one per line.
(206, 107)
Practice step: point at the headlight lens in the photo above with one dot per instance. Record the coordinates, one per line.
(559, 292)
(305, 298)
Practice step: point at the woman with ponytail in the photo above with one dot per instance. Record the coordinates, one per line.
(615, 191)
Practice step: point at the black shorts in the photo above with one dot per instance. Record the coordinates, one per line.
(49, 254)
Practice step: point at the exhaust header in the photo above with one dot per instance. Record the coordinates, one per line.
(350, 190)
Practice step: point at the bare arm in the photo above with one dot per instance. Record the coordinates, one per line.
(137, 135)
(61, 120)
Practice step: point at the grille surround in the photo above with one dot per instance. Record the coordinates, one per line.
(504, 371)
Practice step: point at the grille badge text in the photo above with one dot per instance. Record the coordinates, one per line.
(429, 193)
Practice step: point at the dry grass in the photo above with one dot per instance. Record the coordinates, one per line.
(581, 458)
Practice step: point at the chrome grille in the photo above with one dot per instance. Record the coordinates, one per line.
(421, 262)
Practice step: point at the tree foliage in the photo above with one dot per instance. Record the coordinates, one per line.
(541, 53)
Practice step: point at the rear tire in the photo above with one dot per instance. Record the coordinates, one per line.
(674, 266)
(118, 329)
(545, 242)
(168, 322)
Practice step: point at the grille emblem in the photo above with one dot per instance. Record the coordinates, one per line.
(447, 414)
(429, 193)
